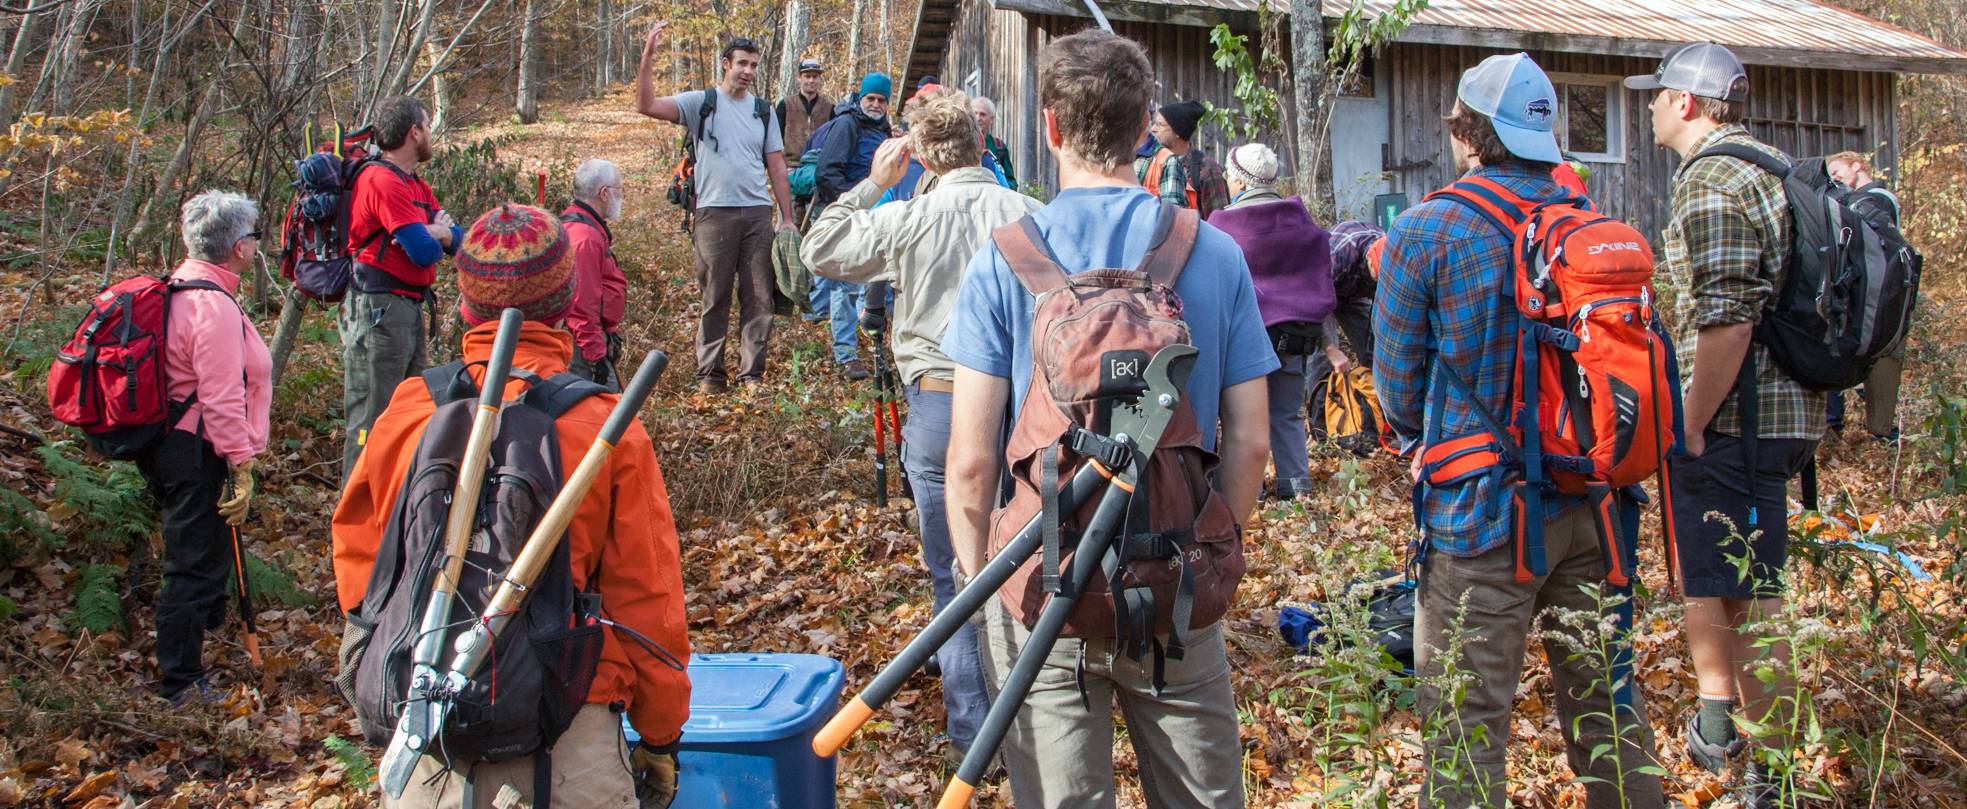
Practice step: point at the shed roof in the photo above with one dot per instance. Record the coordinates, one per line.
(1796, 33)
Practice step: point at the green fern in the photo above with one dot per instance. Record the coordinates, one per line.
(21, 520)
(7, 608)
(360, 770)
(108, 500)
(98, 602)
(272, 585)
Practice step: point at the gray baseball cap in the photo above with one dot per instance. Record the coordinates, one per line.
(1701, 68)
(811, 66)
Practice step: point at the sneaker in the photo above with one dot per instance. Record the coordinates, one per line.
(856, 370)
(1710, 756)
(712, 385)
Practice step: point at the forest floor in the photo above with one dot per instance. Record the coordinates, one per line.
(784, 551)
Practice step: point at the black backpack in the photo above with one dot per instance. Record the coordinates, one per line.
(683, 185)
(542, 666)
(1849, 284)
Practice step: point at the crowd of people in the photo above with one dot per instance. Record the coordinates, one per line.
(911, 219)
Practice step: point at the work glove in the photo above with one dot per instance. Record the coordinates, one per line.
(654, 769)
(874, 320)
(233, 508)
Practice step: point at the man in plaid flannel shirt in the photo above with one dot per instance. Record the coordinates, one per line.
(1724, 253)
(1443, 305)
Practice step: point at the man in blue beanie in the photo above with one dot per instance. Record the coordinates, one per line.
(845, 156)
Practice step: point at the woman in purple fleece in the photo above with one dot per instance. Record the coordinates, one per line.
(1290, 261)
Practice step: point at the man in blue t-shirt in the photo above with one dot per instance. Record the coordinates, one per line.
(1095, 89)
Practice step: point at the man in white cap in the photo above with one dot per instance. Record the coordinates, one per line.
(1441, 312)
(1724, 251)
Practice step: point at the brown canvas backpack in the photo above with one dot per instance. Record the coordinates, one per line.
(1176, 562)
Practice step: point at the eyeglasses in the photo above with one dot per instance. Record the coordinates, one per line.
(253, 234)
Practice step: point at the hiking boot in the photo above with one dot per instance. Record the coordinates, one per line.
(751, 382)
(856, 370)
(198, 693)
(712, 385)
(1710, 756)
(1761, 789)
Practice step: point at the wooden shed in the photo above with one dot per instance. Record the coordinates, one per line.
(1823, 79)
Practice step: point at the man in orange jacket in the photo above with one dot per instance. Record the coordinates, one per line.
(623, 532)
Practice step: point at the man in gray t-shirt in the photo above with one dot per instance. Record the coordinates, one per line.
(740, 177)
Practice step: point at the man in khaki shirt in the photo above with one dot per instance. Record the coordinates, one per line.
(922, 246)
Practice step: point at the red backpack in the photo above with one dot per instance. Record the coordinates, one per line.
(1595, 374)
(108, 379)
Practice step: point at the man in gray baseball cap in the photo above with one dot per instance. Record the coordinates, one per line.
(1724, 253)
(1701, 68)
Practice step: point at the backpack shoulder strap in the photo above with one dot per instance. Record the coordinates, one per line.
(558, 394)
(448, 383)
(763, 109)
(1748, 154)
(704, 112)
(1024, 249)
(576, 216)
(1487, 198)
(1174, 240)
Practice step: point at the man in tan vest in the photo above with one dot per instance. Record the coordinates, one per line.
(799, 117)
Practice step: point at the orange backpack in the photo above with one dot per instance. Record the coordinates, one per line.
(1595, 398)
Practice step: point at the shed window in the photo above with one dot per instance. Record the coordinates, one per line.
(1591, 118)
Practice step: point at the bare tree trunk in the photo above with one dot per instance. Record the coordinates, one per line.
(293, 308)
(207, 105)
(302, 57)
(854, 43)
(887, 53)
(127, 200)
(1309, 93)
(419, 35)
(440, 90)
(70, 54)
(797, 21)
(17, 58)
(604, 46)
(527, 99)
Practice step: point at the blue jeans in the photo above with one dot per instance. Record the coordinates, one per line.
(1287, 426)
(841, 301)
(925, 445)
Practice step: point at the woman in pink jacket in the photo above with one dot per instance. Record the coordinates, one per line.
(201, 472)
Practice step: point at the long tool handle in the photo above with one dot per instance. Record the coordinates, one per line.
(463, 514)
(1084, 484)
(252, 639)
(474, 647)
(1086, 559)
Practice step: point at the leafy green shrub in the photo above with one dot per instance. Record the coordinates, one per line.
(1948, 423)
(98, 605)
(105, 501)
(474, 180)
(28, 356)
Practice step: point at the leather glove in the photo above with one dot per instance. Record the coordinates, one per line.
(654, 769)
(233, 509)
(614, 349)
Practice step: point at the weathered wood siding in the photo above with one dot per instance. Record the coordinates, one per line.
(1001, 48)
(1802, 112)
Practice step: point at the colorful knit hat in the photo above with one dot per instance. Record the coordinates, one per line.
(515, 255)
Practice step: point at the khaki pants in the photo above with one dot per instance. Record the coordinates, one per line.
(734, 254)
(382, 337)
(1495, 633)
(1186, 738)
(590, 771)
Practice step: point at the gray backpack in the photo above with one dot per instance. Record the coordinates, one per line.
(542, 666)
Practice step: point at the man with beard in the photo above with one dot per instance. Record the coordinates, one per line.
(740, 176)
(600, 290)
(396, 234)
(845, 156)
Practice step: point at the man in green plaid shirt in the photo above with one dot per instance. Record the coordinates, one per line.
(1725, 250)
